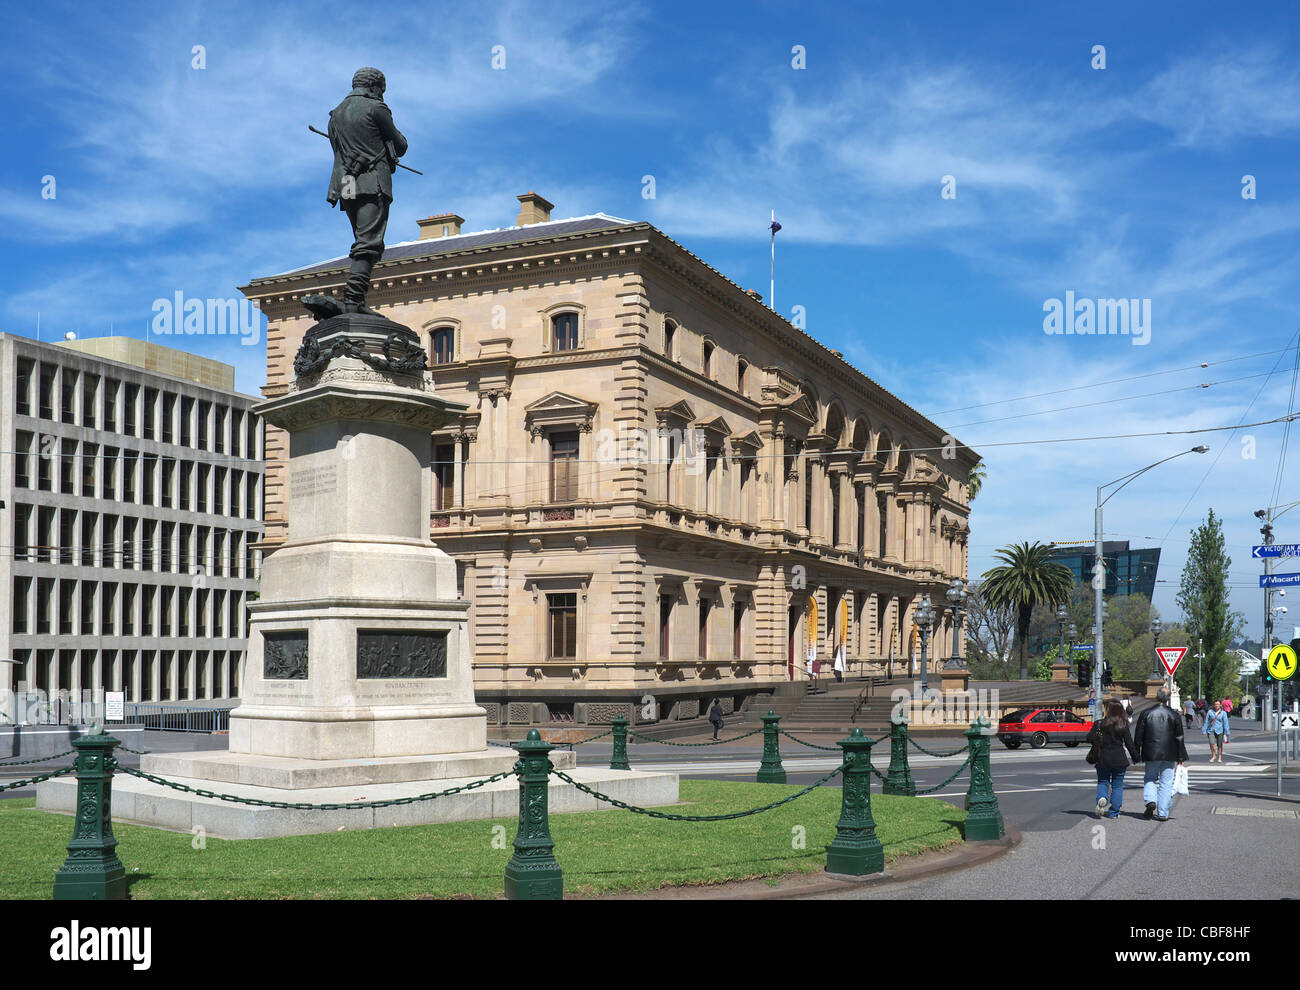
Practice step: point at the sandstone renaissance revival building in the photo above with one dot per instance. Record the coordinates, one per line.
(661, 486)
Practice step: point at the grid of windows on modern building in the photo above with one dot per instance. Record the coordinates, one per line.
(1128, 571)
(132, 503)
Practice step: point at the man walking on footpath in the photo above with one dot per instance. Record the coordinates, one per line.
(1189, 712)
(1216, 727)
(715, 717)
(1159, 742)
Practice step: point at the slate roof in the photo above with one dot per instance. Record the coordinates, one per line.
(465, 242)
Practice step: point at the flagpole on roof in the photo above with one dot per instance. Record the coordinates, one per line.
(771, 299)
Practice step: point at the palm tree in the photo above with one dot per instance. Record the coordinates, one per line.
(1026, 577)
(976, 481)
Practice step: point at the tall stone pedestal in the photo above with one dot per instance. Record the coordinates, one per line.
(358, 644)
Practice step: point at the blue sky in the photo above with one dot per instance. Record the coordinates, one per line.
(1123, 181)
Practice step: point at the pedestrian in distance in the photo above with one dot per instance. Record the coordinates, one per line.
(1160, 744)
(1227, 707)
(715, 717)
(1189, 712)
(1111, 746)
(839, 662)
(1216, 728)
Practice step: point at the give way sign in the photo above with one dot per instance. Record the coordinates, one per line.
(1171, 657)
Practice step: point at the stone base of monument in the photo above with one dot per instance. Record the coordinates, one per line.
(264, 778)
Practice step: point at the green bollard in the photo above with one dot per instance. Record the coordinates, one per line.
(618, 758)
(92, 871)
(856, 850)
(533, 873)
(898, 780)
(983, 816)
(770, 770)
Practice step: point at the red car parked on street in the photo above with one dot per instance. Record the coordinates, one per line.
(1042, 725)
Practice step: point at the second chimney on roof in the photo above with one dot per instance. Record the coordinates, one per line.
(533, 209)
(443, 225)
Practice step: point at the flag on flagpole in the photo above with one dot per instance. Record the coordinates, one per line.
(775, 226)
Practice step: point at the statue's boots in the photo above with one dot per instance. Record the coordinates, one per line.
(358, 284)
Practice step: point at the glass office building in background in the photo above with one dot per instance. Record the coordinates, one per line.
(1128, 571)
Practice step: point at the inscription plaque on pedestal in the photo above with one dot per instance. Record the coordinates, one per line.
(401, 653)
(284, 656)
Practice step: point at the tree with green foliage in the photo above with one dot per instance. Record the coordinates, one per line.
(1026, 577)
(1203, 597)
(976, 481)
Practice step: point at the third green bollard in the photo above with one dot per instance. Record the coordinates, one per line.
(856, 850)
(770, 770)
(618, 758)
(899, 778)
(533, 874)
(983, 816)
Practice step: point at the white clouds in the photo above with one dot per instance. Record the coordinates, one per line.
(1223, 95)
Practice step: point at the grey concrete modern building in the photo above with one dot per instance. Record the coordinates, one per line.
(132, 504)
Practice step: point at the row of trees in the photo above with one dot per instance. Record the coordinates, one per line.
(1014, 605)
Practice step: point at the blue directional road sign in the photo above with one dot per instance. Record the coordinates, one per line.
(1278, 580)
(1276, 550)
(1088, 646)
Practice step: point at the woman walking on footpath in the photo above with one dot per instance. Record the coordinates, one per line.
(1110, 738)
(1216, 728)
(839, 662)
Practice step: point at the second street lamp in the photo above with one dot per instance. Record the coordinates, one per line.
(924, 619)
(1071, 637)
(956, 595)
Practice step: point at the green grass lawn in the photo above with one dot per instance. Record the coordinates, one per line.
(599, 851)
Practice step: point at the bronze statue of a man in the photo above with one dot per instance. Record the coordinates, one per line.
(366, 146)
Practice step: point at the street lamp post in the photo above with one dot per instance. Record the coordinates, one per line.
(1156, 627)
(924, 618)
(1062, 617)
(1099, 571)
(956, 595)
(1071, 637)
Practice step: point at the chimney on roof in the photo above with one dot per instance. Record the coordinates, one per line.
(533, 209)
(443, 225)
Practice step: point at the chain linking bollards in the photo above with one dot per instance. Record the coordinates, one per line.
(899, 778)
(770, 770)
(983, 816)
(533, 873)
(92, 871)
(856, 850)
(618, 758)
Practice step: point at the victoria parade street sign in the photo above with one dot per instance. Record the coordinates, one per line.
(1276, 550)
(1278, 580)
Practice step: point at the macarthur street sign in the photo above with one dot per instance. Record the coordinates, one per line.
(1278, 580)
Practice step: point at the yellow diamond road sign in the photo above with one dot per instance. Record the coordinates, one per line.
(1281, 662)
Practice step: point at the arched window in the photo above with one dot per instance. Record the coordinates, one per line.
(444, 345)
(670, 331)
(708, 358)
(742, 376)
(564, 332)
